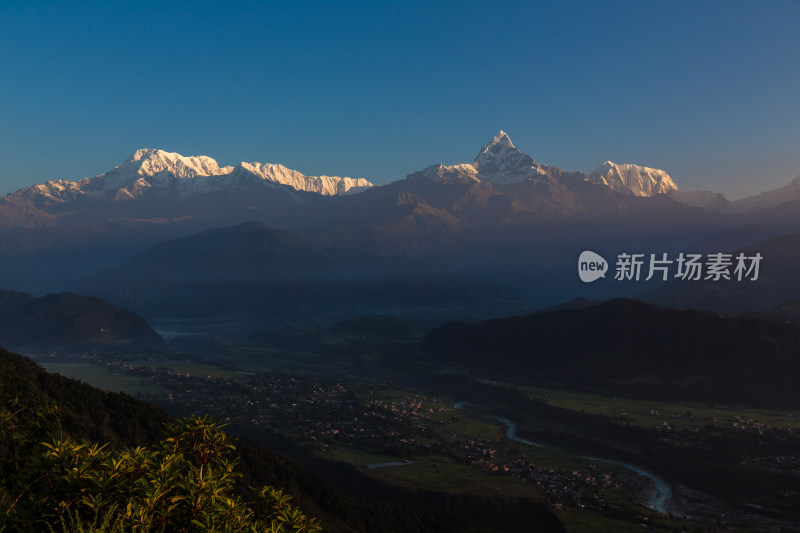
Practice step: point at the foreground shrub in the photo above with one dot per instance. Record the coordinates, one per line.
(185, 483)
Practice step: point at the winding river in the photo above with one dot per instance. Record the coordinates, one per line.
(662, 492)
(659, 498)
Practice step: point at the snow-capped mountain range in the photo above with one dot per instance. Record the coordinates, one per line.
(500, 162)
(156, 170)
(170, 175)
(165, 175)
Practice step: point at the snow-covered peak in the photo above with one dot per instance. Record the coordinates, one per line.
(501, 161)
(272, 172)
(463, 173)
(150, 170)
(633, 179)
(497, 162)
(325, 185)
(149, 161)
(499, 142)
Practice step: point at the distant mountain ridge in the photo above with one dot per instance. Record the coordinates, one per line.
(769, 199)
(156, 176)
(499, 162)
(777, 282)
(504, 211)
(253, 270)
(149, 168)
(630, 348)
(771, 202)
(68, 320)
(165, 179)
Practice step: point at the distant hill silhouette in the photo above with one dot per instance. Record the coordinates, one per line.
(68, 319)
(254, 270)
(777, 282)
(627, 347)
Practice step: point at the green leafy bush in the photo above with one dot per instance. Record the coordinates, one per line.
(187, 482)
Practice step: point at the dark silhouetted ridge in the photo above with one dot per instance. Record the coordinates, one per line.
(68, 319)
(628, 347)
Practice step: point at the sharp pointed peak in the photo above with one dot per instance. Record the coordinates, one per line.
(500, 138)
(499, 145)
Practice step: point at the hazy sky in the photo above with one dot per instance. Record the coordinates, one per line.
(708, 91)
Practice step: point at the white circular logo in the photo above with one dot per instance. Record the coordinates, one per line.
(591, 266)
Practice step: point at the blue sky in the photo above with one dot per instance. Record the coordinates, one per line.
(708, 91)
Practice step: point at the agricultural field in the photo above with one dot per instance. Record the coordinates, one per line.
(438, 473)
(103, 377)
